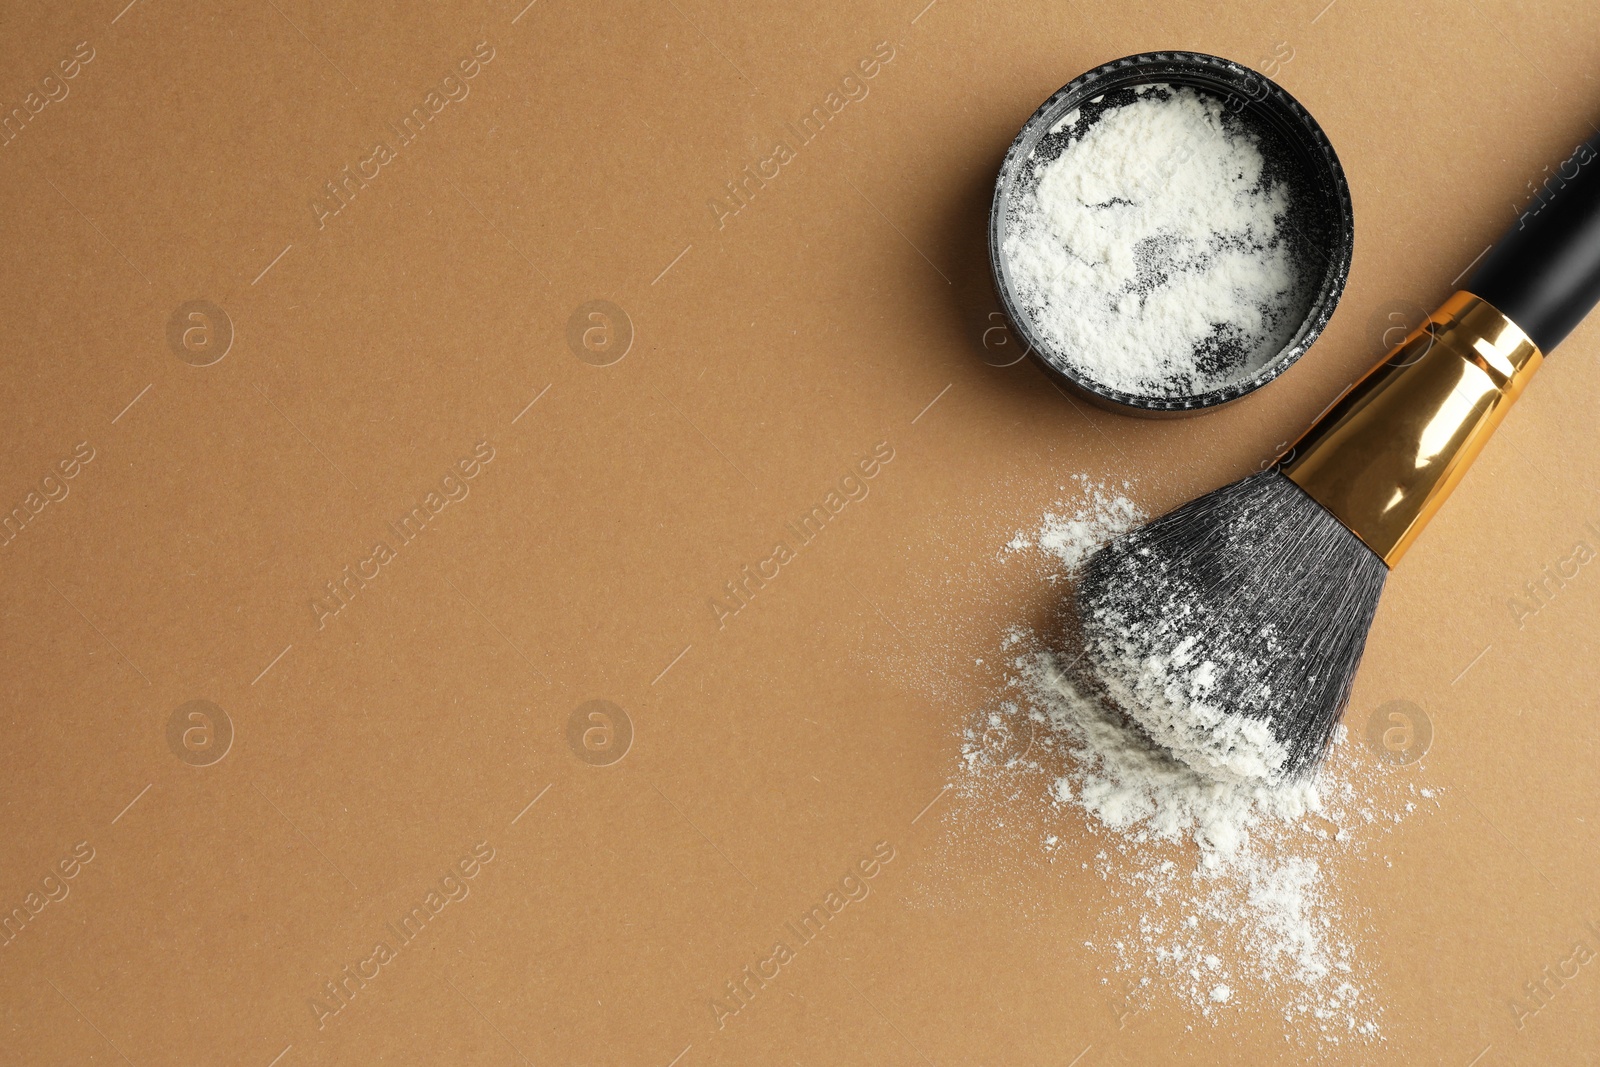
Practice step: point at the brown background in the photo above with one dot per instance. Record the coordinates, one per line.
(372, 353)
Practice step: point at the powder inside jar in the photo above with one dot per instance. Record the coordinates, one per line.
(1151, 244)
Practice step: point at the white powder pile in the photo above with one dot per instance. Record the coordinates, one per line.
(1125, 781)
(1225, 893)
(1151, 253)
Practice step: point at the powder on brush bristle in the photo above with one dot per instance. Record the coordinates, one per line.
(1231, 628)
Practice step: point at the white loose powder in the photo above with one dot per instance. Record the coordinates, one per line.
(1151, 253)
(1225, 894)
(1072, 536)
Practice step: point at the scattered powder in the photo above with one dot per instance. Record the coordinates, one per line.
(1151, 253)
(1224, 893)
(1071, 537)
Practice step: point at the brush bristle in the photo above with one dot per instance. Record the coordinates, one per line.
(1231, 628)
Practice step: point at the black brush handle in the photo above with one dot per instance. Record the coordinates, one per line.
(1544, 274)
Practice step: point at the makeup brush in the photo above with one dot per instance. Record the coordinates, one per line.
(1230, 629)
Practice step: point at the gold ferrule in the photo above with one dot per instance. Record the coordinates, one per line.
(1389, 451)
